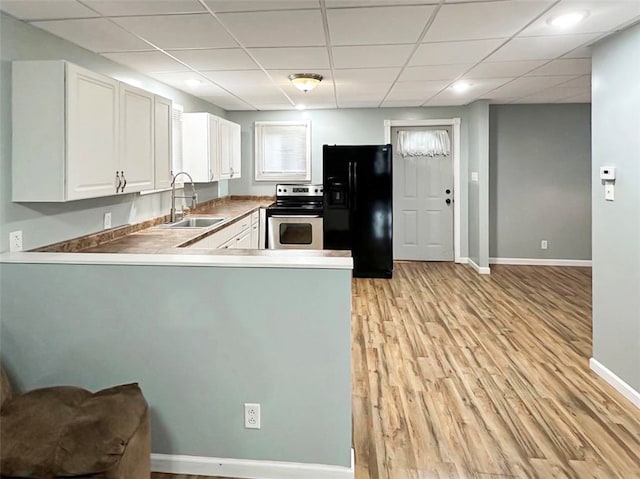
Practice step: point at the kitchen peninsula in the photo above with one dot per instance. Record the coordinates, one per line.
(203, 331)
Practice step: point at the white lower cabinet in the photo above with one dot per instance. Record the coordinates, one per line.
(237, 235)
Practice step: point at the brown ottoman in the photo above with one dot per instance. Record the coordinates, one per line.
(68, 431)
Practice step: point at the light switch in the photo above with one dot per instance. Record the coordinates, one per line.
(609, 193)
(474, 176)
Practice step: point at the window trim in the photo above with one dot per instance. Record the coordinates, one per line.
(258, 154)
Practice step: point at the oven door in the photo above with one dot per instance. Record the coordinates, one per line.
(295, 232)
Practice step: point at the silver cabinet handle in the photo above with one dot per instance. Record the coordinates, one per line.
(124, 182)
(119, 181)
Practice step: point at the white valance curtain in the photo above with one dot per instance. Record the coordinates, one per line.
(424, 143)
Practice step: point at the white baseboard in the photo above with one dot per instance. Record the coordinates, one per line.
(462, 260)
(617, 383)
(248, 469)
(479, 269)
(585, 263)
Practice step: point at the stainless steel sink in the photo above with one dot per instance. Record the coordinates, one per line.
(194, 223)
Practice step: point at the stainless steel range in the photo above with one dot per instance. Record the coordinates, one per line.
(294, 221)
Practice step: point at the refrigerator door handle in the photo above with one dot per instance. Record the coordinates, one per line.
(353, 185)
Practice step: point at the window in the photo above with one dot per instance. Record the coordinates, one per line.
(283, 150)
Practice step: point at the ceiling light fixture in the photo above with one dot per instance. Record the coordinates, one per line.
(567, 20)
(192, 82)
(461, 86)
(300, 107)
(305, 81)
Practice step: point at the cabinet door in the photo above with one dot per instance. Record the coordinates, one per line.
(162, 142)
(234, 138)
(214, 147)
(136, 138)
(243, 241)
(225, 149)
(92, 134)
(255, 236)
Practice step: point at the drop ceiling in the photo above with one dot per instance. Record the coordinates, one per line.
(372, 53)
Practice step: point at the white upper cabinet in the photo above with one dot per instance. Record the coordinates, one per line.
(136, 166)
(229, 149)
(79, 134)
(65, 132)
(200, 147)
(211, 147)
(163, 142)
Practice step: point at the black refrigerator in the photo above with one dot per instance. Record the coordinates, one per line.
(358, 213)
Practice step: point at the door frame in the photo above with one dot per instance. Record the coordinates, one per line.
(455, 123)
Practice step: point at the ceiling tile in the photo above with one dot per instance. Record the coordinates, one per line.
(580, 82)
(528, 86)
(584, 97)
(260, 95)
(479, 89)
(568, 66)
(540, 48)
(581, 52)
(401, 103)
(503, 69)
(215, 59)
(415, 90)
(144, 7)
(228, 102)
(358, 75)
(179, 79)
(371, 26)
(602, 16)
(95, 34)
(450, 53)
(259, 5)
(371, 56)
(153, 61)
(550, 95)
(179, 31)
(303, 58)
(46, 10)
(362, 91)
(235, 80)
(276, 29)
(499, 20)
(445, 101)
(434, 72)
(377, 3)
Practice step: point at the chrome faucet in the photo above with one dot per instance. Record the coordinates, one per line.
(194, 196)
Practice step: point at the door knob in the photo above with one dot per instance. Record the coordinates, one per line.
(447, 191)
(448, 201)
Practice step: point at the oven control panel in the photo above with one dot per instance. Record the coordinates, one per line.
(298, 190)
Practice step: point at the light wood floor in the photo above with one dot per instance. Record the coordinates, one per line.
(457, 375)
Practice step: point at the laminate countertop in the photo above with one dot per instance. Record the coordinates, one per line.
(160, 239)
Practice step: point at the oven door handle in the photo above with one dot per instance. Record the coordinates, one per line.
(295, 216)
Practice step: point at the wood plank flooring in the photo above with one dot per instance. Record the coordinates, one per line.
(460, 376)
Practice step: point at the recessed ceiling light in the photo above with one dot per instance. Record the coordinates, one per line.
(192, 82)
(567, 20)
(461, 86)
(300, 107)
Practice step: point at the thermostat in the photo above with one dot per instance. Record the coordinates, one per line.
(608, 173)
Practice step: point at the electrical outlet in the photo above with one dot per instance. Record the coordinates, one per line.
(15, 241)
(107, 220)
(251, 416)
(544, 244)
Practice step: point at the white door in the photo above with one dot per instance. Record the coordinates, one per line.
(162, 144)
(422, 204)
(92, 134)
(136, 138)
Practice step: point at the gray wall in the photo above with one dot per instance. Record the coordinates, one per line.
(43, 224)
(479, 190)
(198, 355)
(540, 169)
(349, 127)
(616, 225)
